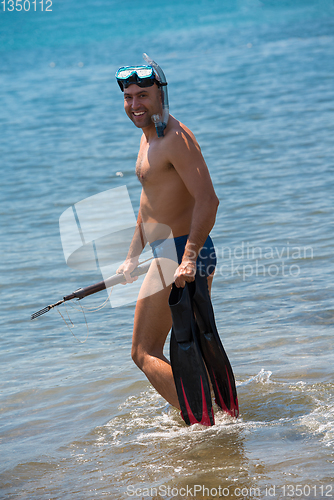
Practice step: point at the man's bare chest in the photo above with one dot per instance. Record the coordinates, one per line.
(151, 165)
(142, 165)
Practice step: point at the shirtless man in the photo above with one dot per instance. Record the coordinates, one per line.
(176, 191)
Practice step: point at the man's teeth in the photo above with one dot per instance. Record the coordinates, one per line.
(139, 114)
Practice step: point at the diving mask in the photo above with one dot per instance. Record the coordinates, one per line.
(143, 76)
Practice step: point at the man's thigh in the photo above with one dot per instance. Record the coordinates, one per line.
(152, 321)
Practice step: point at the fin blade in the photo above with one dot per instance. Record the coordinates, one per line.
(189, 417)
(213, 352)
(190, 375)
(192, 384)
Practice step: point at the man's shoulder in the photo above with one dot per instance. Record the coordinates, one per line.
(178, 133)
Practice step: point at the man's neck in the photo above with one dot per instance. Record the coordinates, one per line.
(150, 132)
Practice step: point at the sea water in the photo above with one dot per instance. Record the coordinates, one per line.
(254, 82)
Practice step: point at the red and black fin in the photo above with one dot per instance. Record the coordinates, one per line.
(213, 352)
(190, 375)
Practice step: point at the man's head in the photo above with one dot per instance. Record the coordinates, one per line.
(152, 102)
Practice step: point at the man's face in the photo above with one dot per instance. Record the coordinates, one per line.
(141, 103)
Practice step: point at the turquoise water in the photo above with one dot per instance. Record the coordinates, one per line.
(254, 81)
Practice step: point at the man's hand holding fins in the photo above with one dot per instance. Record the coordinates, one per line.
(185, 273)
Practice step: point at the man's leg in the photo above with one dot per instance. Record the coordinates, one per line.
(152, 323)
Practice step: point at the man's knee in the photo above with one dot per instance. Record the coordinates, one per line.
(141, 353)
(137, 355)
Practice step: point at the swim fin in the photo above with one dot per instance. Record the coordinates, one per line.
(212, 349)
(190, 375)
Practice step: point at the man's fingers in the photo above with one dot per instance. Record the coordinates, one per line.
(180, 283)
(126, 269)
(129, 278)
(185, 273)
(181, 279)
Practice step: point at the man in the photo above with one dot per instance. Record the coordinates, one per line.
(177, 192)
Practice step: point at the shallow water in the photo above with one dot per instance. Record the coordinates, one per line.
(78, 420)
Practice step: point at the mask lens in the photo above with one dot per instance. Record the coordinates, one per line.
(144, 72)
(124, 73)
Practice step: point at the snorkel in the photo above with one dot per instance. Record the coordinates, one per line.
(160, 121)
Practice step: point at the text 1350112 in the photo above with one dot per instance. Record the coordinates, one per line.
(26, 5)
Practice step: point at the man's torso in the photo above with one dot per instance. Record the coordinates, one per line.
(165, 198)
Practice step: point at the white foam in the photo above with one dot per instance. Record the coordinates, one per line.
(261, 378)
(321, 423)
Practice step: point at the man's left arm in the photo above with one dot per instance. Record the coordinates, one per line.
(189, 163)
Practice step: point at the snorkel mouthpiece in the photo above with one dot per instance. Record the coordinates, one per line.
(159, 125)
(160, 122)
